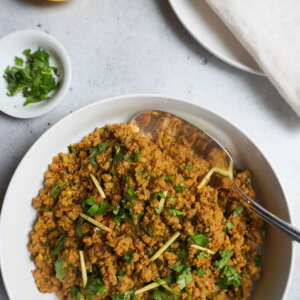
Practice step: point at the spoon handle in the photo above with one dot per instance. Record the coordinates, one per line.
(270, 218)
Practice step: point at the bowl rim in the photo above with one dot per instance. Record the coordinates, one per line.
(291, 269)
(62, 54)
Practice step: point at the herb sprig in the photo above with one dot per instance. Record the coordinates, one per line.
(35, 77)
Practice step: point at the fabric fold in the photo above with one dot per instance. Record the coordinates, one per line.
(270, 31)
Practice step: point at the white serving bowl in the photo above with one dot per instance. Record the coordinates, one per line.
(18, 214)
(13, 45)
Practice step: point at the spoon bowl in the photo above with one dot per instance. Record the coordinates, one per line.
(151, 123)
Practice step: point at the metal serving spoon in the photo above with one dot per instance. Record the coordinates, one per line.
(151, 123)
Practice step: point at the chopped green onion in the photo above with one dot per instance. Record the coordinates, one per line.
(161, 203)
(175, 212)
(165, 286)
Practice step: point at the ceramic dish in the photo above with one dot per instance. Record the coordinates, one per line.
(210, 31)
(18, 214)
(13, 45)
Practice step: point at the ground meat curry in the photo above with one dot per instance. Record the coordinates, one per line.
(123, 217)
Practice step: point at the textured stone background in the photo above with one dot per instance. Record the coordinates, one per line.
(135, 46)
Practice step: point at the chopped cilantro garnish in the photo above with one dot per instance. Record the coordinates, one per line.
(132, 158)
(90, 201)
(60, 270)
(117, 297)
(121, 273)
(225, 258)
(201, 272)
(170, 279)
(130, 295)
(177, 267)
(175, 212)
(159, 294)
(116, 210)
(190, 168)
(59, 245)
(202, 254)
(158, 196)
(238, 210)
(119, 155)
(95, 151)
(128, 257)
(184, 278)
(76, 293)
(229, 277)
(200, 239)
(182, 254)
(94, 287)
(128, 158)
(36, 79)
(92, 211)
(122, 211)
(257, 260)
(95, 209)
(73, 149)
(168, 178)
(137, 157)
(229, 225)
(55, 190)
(130, 194)
(144, 172)
(249, 180)
(104, 208)
(19, 61)
(179, 187)
(78, 228)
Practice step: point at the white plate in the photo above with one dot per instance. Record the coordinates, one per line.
(18, 214)
(13, 45)
(210, 31)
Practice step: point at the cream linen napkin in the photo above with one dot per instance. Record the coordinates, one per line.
(270, 31)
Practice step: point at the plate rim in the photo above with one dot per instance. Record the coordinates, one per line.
(290, 214)
(223, 58)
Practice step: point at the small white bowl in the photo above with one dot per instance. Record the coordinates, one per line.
(13, 45)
